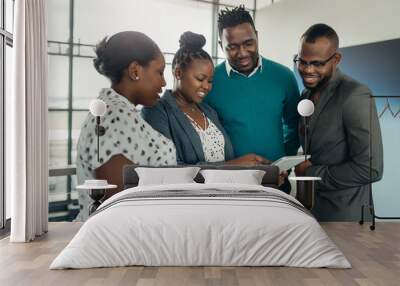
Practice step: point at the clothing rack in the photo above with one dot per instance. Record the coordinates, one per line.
(388, 108)
(370, 206)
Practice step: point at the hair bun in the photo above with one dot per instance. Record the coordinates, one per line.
(99, 60)
(192, 41)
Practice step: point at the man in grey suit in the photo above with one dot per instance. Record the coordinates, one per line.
(344, 135)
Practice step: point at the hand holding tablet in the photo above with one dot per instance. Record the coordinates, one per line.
(288, 162)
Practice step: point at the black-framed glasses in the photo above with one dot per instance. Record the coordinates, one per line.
(316, 64)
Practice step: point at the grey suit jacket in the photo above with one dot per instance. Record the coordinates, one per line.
(167, 118)
(346, 148)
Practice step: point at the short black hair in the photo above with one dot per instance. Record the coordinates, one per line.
(191, 48)
(233, 17)
(115, 54)
(320, 30)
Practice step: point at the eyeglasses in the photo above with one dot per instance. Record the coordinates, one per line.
(300, 63)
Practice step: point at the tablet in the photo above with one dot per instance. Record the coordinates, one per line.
(288, 162)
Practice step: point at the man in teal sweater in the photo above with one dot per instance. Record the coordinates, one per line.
(255, 98)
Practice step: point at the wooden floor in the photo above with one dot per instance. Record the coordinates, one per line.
(375, 256)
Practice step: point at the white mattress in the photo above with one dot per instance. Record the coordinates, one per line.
(189, 231)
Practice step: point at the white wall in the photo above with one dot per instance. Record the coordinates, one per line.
(356, 21)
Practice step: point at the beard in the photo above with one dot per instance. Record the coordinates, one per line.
(321, 84)
(254, 58)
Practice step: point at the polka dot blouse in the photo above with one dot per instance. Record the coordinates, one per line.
(212, 141)
(127, 134)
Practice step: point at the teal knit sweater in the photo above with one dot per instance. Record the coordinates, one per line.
(259, 113)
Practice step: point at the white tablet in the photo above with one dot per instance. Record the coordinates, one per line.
(288, 162)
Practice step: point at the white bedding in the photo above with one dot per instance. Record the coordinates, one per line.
(183, 231)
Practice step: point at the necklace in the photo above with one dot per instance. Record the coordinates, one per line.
(195, 123)
(192, 108)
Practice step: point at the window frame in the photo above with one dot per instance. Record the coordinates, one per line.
(6, 39)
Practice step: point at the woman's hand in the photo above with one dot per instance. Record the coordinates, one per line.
(249, 160)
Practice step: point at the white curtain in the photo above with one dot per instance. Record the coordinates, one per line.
(27, 149)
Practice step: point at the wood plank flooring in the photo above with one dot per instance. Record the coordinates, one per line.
(375, 257)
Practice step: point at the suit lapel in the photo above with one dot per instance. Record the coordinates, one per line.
(326, 96)
(185, 124)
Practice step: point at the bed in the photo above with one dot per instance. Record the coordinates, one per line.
(198, 224)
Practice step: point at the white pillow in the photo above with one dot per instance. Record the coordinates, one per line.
(164, 176)
(248, 177)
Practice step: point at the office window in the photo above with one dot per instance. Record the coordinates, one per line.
(87, 82)
(162, 20)
(58, 82)
(249, 4)
(58, 126)
(9, 12)
(8, 80)
(2, 137)
(58, 20)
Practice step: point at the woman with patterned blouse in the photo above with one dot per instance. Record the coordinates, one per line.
(135, 65)
(181, 115)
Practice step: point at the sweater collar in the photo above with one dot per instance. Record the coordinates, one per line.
(230, 69)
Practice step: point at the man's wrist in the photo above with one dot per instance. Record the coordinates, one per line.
(314, 171)
(310, 171)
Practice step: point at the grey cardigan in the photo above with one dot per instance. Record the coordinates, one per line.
(168, 119)
(346, 149)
